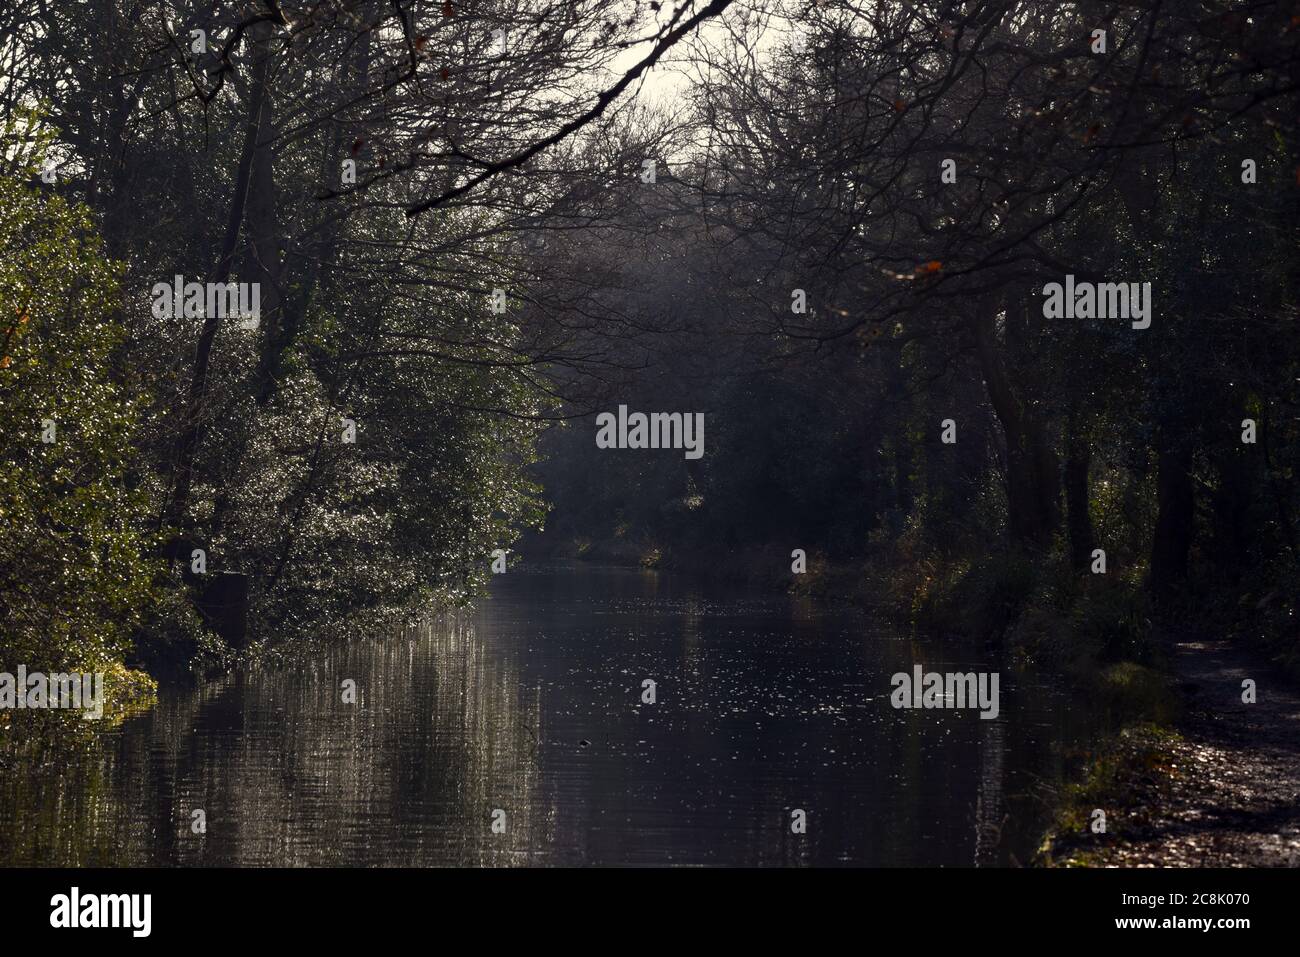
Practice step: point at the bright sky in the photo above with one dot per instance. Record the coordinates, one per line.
(669, 77)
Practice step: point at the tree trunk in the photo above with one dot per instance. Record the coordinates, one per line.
(1231, 507)
(900, 440)
(314, 273)
(1173, 532)
(1033, 483)
(187, 446)
(1078, 461)
(902, 443)
(263, 261)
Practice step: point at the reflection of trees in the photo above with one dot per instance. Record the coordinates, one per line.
(289, 775)
(49, 793)
(988, 806)
(759, 712)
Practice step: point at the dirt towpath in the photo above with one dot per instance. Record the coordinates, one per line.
(1228, 793)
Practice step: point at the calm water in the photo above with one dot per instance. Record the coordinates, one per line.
(532, 704)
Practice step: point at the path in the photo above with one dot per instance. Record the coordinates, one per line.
(1228, 793)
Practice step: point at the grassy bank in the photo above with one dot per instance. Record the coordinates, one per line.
(1097, 632)
(29, 737)
(1124, 773)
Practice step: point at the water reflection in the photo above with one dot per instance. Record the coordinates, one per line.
(533, 705)
(288, 774)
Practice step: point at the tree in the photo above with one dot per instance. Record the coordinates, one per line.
(71, 556)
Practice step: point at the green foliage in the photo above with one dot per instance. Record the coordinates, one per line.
(71, 544)
(979, 598)
(1113, 621)
(1124, 770)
